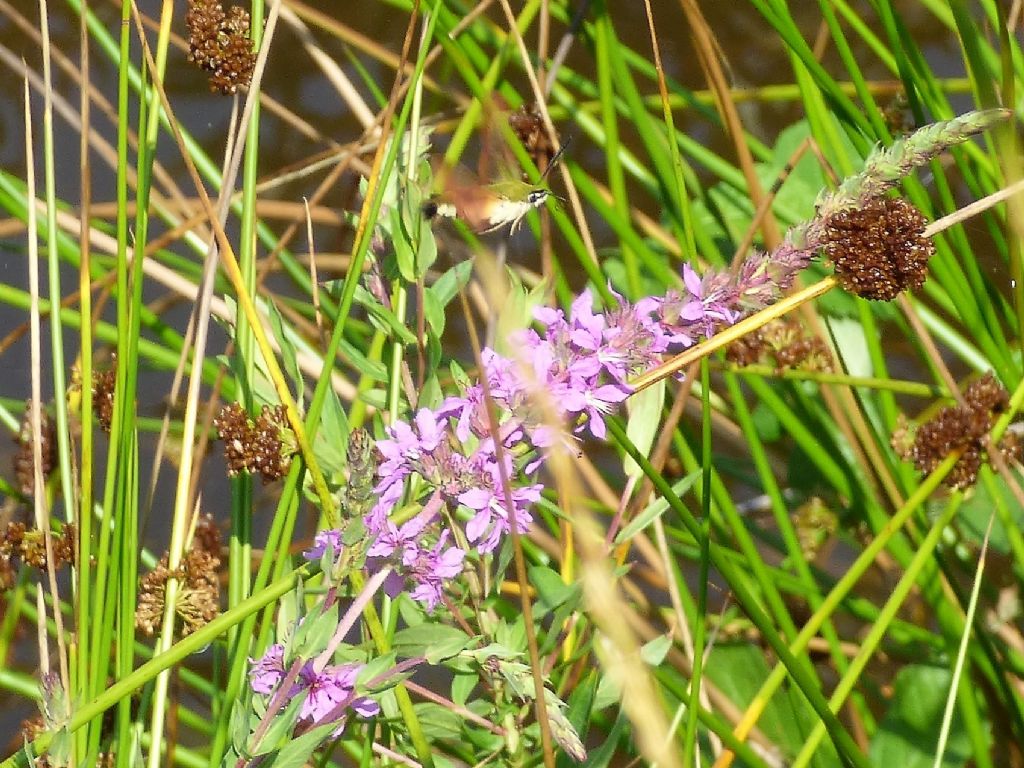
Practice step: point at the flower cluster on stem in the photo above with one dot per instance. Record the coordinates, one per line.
(439, 485)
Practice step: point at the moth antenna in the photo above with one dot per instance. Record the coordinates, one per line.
(556, 157)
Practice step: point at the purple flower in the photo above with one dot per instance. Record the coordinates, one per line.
(595, 403)
(331, 690)
(268, 670)
(634, 340)
(429, 569)
(324, 539)
(418, 565)
(328, 693)
(704, 307)
(487, 499)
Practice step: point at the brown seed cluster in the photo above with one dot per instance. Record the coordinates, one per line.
(198, 601)
(103, 383)
(783, 340)
(219, 43)
(528, 126)
(263, 447)
(19, 543)
(24, 464)
(964, 427)
(878, 248)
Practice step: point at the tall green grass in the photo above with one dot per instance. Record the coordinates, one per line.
(709, 631)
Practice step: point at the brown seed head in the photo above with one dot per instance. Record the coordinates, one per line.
(528, 126)
(198, 601)
(273, 444)
(964, 428)
(265, 446)
(23, 458)
(234, 428)
(879, 248)
(219, 43)
(103, 383)
(783, 339)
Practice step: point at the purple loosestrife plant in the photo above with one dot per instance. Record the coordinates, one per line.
(439, 483)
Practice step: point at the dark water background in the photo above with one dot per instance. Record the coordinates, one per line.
(754, 59)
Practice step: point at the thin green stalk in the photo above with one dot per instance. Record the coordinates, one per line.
(808, 685)
(82, 577)
(105, 579)
(876, 633)
(795, 558)
(603, 39)
(53, 273)
(700, 615)
(240, 543)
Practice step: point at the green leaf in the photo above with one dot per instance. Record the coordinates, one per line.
(290, 361)
(374, 369)
(848, 335)
(404, 256)
(280, 729)
(552, 590)
(412, 613)
(459, 376)
(377, 667)
(578, 712)
(908, 733)
(297, 752)
(605, 752)
(512, 635)
(433, 312)
(439, 722)
(655, 509)
(644, 409)
(739, 669)
(462, 686)
(609, 692)
(288, 613)
(655, 651)
(435, 642)
(244, 718)
(431, 394)
(332, 436)
(384, 318)
(447, 286)
(313, 634)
